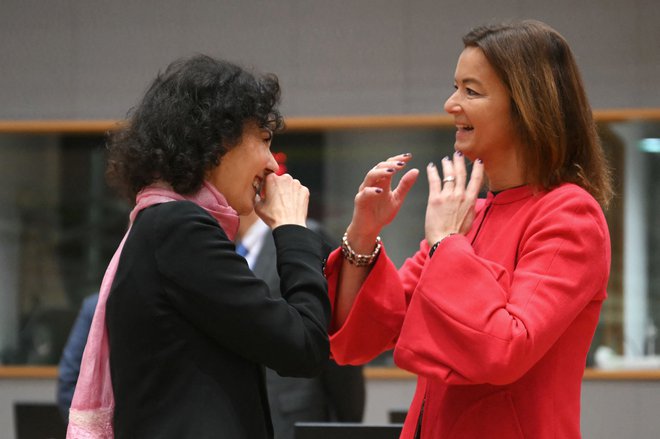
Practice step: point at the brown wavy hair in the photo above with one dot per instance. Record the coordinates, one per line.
(549, 105)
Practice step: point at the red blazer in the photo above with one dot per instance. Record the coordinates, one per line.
(497, 324)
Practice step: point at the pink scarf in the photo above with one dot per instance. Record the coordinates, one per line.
(91, 413)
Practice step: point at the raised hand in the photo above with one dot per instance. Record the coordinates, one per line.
(450, 207)
(376, 204)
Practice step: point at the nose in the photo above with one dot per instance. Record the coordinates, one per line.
(451, 104)
(272, 164)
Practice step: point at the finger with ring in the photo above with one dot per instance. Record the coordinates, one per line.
(449, 179)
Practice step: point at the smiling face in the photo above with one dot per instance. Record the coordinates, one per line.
(243, 168)
(481, 106)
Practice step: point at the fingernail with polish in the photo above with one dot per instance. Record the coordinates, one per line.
(458, 153)
(407, 154)
(445, 158)
(378, 190)
(400, 163)
(479, 161)
(432, 165)
(390, 170)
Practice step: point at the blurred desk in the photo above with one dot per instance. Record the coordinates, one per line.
(25, 390)
(615, 403)
(591, 374)
(31, 372)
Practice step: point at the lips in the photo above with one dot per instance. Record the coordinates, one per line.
(256, 185)
(463, 132)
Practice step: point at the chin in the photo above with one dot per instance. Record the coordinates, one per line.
(244, 210)
(461, 150)
(467, 153)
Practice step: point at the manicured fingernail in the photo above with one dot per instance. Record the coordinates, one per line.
(458, 153)
(400, 163)
(378, 190)
(407, 154)
(390, 170)
(445, 158)
(479, 161)
(432, 165)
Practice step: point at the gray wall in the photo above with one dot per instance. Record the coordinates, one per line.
(91, 59)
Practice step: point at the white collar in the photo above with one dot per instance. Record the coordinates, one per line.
(253, 240)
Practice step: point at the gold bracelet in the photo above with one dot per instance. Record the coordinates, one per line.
(357, 259)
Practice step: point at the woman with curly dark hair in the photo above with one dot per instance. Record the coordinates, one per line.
(183, 328)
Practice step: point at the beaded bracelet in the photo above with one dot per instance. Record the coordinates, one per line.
(357, 259)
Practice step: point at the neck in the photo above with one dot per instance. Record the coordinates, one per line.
(505, 173)
(504, 183)
(246, 222)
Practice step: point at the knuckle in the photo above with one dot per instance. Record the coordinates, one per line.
(436, 200)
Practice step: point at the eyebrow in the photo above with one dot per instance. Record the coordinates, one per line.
(468, 81)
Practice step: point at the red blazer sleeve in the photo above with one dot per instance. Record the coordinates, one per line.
(471, 321)
(375, 319)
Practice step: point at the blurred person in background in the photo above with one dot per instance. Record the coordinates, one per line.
(338, 393)
(69, 365)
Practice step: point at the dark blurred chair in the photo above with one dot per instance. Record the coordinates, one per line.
(397, 416)
(340, 430)
(43, 335)
(38, 421)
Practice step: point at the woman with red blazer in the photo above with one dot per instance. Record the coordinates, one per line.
(496, 310)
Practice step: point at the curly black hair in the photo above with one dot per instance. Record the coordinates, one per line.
(190, 116)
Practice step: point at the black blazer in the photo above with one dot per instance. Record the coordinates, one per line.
(190, 326)
(337, 394)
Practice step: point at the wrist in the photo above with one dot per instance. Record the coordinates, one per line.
(286, 223)
(361, 241)
(437, 243)
(360, 259)
(432, 239)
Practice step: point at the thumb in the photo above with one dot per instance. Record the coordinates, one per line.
(406, 183)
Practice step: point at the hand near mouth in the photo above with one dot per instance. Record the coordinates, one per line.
(282, 200)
